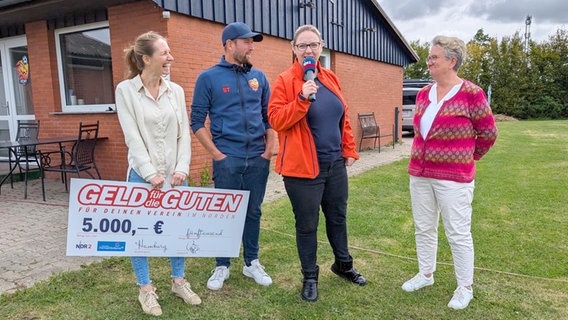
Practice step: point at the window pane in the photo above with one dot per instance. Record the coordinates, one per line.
(409, 97)
(87, 67)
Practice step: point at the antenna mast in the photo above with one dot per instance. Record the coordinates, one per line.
(528, 21)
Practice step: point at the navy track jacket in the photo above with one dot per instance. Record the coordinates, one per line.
(236, 100)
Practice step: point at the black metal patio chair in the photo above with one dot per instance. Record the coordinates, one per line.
(81, 158)
(27, 157)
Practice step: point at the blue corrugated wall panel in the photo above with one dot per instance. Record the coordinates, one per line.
(355, 27)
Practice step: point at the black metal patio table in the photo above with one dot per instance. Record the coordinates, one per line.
(13, 145)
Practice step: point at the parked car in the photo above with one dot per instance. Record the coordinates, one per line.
(410, 88)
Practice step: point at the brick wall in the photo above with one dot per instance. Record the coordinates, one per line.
(196, 45)
(370, 86)
(47, 101)
(43, 70)
(126, 22)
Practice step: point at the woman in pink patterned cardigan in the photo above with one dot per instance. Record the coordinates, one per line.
(454, 127)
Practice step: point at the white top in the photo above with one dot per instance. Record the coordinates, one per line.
(434, 106)
(156, 131)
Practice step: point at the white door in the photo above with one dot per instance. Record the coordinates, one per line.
(15, 87)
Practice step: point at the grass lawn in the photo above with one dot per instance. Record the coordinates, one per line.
(520, 225)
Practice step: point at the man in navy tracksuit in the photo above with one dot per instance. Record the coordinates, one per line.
(240, 140)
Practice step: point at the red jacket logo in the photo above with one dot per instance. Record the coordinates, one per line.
(253, 84)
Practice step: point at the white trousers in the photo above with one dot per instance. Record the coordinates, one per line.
(430, 197)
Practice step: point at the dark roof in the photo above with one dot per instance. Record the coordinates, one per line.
(82, 46)
(15, 13)
(7, 3)
(356, 27)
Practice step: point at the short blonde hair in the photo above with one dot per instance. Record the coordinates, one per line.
(453, 47)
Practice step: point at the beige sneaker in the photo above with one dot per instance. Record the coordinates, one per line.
(149, 302)
(183, 290)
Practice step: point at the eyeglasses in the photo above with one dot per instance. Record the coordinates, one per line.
(432, 58)
(435, 58)
(304, 46)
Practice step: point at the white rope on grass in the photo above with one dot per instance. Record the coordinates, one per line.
(439, 263)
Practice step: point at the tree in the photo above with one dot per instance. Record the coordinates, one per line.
(479, 62)
(418, 70)
(510, 83)
(553, 71)
(525, 85)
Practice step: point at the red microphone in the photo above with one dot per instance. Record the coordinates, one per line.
(309, 65)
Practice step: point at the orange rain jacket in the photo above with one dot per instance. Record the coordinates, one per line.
(287, 112)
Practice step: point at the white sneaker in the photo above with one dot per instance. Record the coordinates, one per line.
(462, 297)
(256, 271)
(419, 281)
(220, 274)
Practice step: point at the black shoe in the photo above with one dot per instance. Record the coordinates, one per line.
(310, 285)
(310, 290)
(346, 271)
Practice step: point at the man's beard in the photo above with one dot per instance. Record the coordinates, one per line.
(241, 59)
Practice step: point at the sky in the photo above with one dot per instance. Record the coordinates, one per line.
(424, 19)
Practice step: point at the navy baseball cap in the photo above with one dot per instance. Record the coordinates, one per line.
(239, 30)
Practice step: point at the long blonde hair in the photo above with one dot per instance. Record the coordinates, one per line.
(143, 45)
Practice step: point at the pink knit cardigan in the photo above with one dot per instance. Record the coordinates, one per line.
(463, 131)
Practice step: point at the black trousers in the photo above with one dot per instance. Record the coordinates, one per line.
(330, 191)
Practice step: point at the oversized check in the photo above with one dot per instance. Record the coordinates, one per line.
(112, 218)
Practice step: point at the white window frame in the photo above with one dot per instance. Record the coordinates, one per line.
(87, 108)
(325, 58)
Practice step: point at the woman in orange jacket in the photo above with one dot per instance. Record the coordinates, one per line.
(316, 143)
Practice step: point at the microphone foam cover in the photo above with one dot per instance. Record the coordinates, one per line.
(309, 64)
